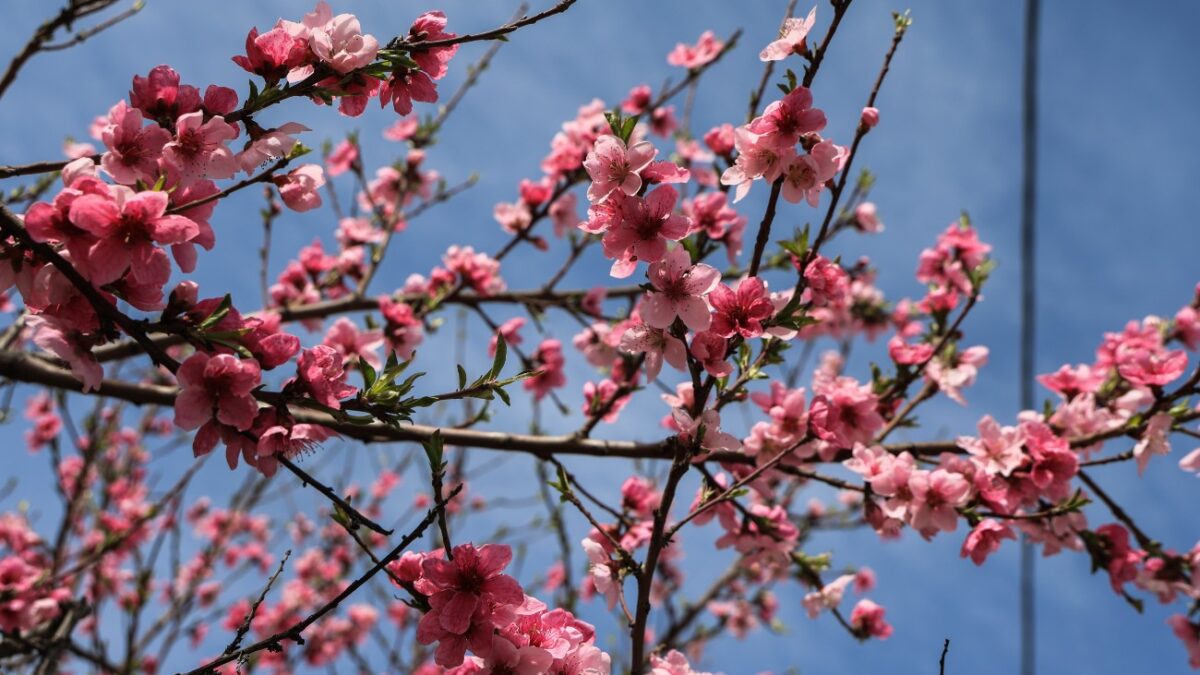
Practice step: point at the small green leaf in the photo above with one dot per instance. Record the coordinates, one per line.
(217, 314)
(501, 356)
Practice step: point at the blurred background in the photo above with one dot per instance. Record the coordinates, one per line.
(1117, 241)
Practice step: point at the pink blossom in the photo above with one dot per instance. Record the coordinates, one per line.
(644, 228)
(828, 597)
(1191, 462)
(697, 55)
(199, 149)
(457, 587)
(612, 166)
(870, 117)
(828, 283)
(936, 496)
(998, 450)
(403, 330)
(604, 396)
(127, 226)
(429, 27)
(1189, 634)
(1155, 440)
(638, 101)
(342, 158)
(320, 374)
(657, 345)
(985, 539)
(133, 148)
(160, 96)
(845, 412)
(53, 335)
(758, 157)
(709, 349)
(742, 311)
(1152, 368)
(867, 619)
(273, 53)
(720, 139)
(509, 331)
(404, 87)
(783, 122)
(952, 379)
(1069, 382)
(679, 290)
(269, 145)
(673, 663)
(222, 382)
(792, 39)
(402, 129)
(866, 218)
(549, 361)
(601, 571)
(714, 438)
(906, 354)
(806, 175)
(300, 187)
(340, 43)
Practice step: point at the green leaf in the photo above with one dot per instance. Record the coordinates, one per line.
(368, 373)
(462, 377)
(433, 450)
(501, 356)
(219, 313)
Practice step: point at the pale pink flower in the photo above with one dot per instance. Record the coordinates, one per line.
(906, 354)
(679, 290)
(866, 218)
(1155, 440)
(673, 663)
(1152, 367)
(952, 379)
(936, 498)
(998, 450)
(612, 166)
(697, 55)
(344, 155)
(828, 597)
(601, 571)
(271, 145)
(783, 122)
(645, 227)
(56, 337)
(985, 539)
(133, 148)
(402, 129)
(792, 39)
(199, 149)
(340, 43)
(1191, 462)
(509, 331)
(758, 157)
(714, 438)
(657, 345)
(805, 176)
(300, 188)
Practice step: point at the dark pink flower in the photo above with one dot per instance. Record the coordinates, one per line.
(985, 540)
(645, 227)
(320, 373)
(273, 53)
(743, 311)
(456, 588)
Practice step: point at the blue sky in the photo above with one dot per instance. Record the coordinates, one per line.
(1116, 242)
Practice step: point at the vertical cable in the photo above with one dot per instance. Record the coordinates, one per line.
(1028, 306)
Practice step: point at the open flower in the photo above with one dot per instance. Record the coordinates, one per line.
(792, 40)
(217, 387)
(679, 290)
(613, 166)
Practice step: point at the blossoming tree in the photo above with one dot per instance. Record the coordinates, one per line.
(115, 346)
